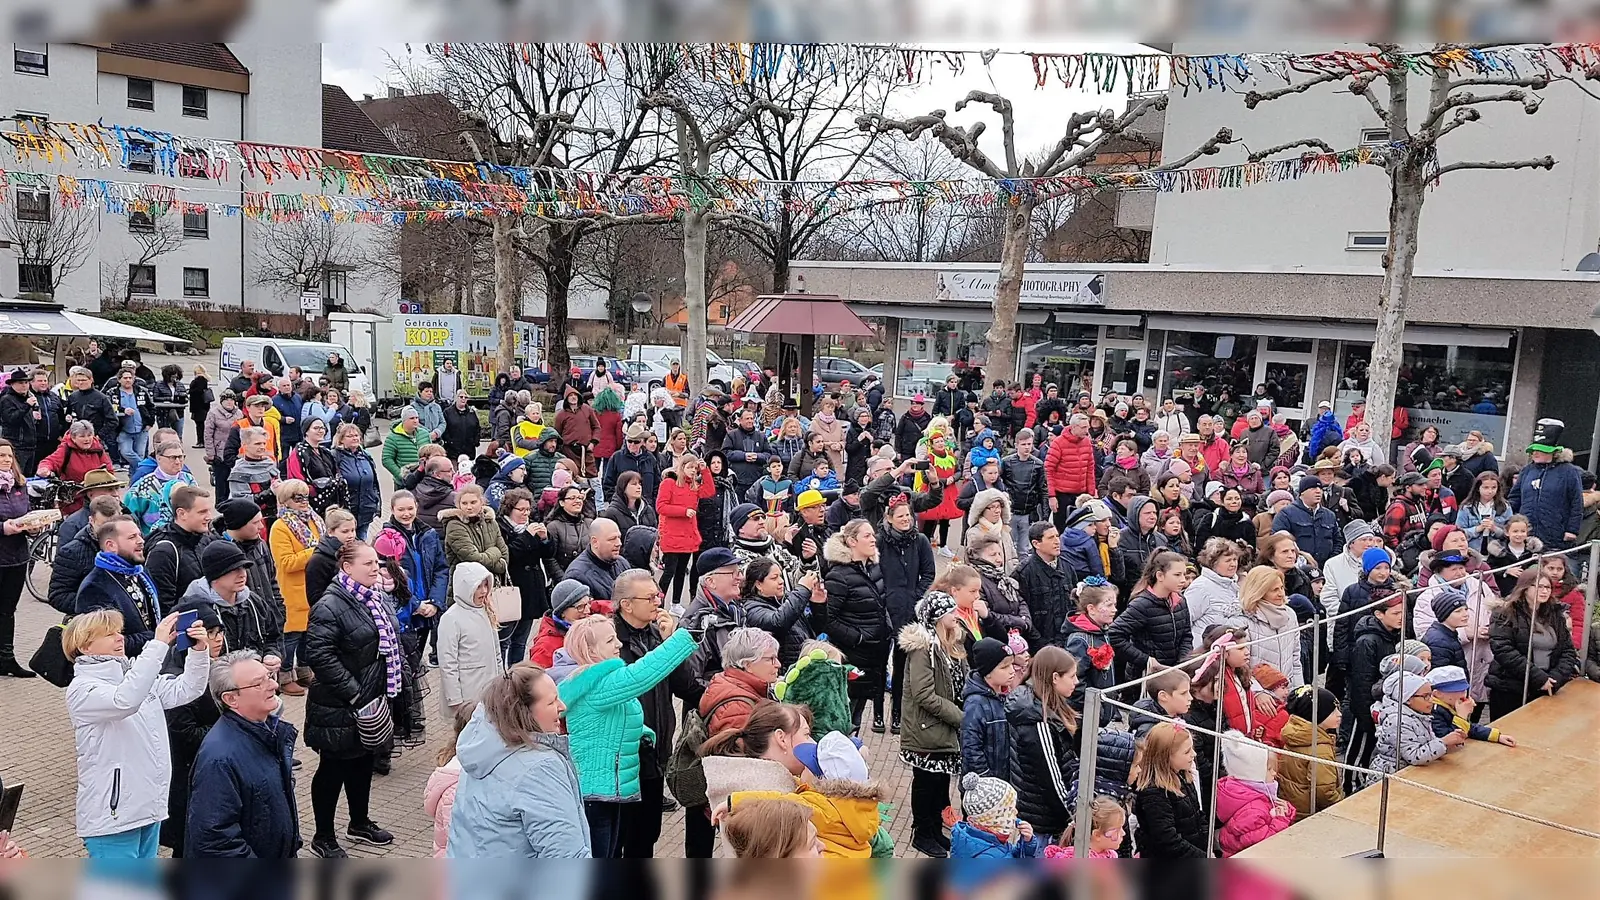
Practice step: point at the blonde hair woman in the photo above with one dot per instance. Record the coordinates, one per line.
(293, 541)
(1270, 620)
(772, 829)
(119, 722)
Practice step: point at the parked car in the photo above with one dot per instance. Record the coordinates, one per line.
(650, 373)
(586, 366)
(750, 371)
(718, 371)
(832, 370)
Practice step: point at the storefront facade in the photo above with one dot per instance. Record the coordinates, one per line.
(1158, 332)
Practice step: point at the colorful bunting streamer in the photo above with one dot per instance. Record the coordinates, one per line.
(1098, 72)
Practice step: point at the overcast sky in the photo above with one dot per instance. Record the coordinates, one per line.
(362, 67)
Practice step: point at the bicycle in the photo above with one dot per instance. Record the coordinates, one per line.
(45, 493)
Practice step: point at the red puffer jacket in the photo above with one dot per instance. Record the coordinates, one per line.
(1069, 468)
(679, 532)
(1238, 706)
(71, 464)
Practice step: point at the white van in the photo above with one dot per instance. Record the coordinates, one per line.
(276, 355)
(718, 372)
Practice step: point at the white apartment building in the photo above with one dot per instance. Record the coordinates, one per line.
(234, 92)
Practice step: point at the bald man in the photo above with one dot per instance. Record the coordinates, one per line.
(598, 567)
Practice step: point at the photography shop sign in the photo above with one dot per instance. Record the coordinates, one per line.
(1038, 288)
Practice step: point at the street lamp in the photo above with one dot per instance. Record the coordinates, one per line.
(1594, 438)
(641, 303)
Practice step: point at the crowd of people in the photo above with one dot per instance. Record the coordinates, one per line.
(563, 583)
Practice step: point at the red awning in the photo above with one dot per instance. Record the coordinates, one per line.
(800, 314)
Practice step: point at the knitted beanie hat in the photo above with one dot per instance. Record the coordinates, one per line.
(1373, 558)
(935, 606)
(1300, 703)
(989, 803)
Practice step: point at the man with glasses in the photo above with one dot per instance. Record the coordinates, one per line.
(149, 500)
(242, 801)
(638, 602)
(634, 458)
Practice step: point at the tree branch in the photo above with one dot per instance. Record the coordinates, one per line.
(1318, 143)
(962, 145)
(725, 133)
(1209, 148)
(1530, 104)
(1008, 130)
(1257, 97)
(1537, 82)
(1543, 162)
(1361, 86)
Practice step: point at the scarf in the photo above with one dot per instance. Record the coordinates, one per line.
(116, 565)
(8, 480)
(306, 526)
(388, 640)
(1004, 582)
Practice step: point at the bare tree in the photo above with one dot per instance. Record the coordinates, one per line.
(696, 149)
(299, 254)
(154, 236)
(552, 107)
(55, 238)
(1085, 134)
(1412, 163)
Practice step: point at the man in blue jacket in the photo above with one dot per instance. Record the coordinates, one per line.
(1314, 526)
(1550, 490)
(241, 802)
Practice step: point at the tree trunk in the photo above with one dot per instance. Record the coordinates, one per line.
(505, 293)
(772, 356)
(1405, 219)
(1002, 336)
(696, 225)
(557, 285)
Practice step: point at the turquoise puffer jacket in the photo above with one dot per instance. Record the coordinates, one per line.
(606, 722)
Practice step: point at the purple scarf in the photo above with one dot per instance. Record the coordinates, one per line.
(388, 640)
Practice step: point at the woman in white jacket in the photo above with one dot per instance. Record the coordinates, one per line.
(120, 727)
(469, 642)
(1213, 597)
(1269, 619)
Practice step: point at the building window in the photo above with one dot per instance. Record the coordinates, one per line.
(141, 156)
(141, 279)
(335, 286)
(141, 223)
(1216, 362)
(33, 206)
(31, 122)
(1374, 137)
(192, 163)
(197, 223)
(1454, 388)
(1367, 240)
(141, 93)
(196, 282)
(35, 278)
(31, 59)
(196, 101)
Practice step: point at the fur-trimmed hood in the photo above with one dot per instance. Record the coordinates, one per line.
(836, 551)
(1497, 546)
(914, 637)
(986, 498)
(840, 789)
(453, 513)
(1484, 448)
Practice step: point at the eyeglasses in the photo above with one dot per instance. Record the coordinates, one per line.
(172, 456)
(638, 599)
(258, 683)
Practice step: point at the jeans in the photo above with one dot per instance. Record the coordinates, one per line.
(605, 827)
(135, 843)
(1020, 523)
(354, 776)
(133, 446)
(177, 425)
(291, 647)
(514, 640)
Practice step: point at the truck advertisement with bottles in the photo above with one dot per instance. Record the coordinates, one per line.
(407, 350)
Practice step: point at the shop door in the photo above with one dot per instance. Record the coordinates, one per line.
(1121, 368)
(1287, 366)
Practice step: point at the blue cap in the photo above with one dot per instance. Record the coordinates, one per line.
(1373, 558)
(807, 755)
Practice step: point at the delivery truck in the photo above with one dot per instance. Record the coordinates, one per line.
(401, 352)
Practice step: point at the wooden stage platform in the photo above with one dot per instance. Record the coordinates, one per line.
(1553, 773)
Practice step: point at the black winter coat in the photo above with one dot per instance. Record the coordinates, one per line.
(985, 734)
(525, 555)
(907, 563)
(1023, 480)
(172, 559)
(1508, 639)
(1078, 636)
(783, 619)
(656, 702)
(747, 452)
(1344, 630)
(1007, 609)
(645, 463)
(186, 728)
(857, 614)
(1445, 647)
(1204, 715)
(1372, 643)
(461, 432)
(341, 648)
(908, 432)
(245, 773)
(73, 563)
(1047, 591)
(1220, 523)
(322, 567)
(1044, 763)
(1150, 628)
(1171, 826)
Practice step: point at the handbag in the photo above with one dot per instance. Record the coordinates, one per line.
(507, 603)
(375, 724)
(50, 661)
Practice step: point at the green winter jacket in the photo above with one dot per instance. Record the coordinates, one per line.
(400, 449)
(606, 722)
(541, 468)
(931, 717)
(475, 540)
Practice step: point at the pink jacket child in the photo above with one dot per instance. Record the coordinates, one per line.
(438, 799)
(1248, 808)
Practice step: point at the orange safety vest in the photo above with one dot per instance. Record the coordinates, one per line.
(271, 425)
(678, 384)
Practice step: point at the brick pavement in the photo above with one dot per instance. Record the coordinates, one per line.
(37, 748)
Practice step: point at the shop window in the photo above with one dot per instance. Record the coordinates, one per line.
(932, 349)
(1064, 355)
(1218, 362)
(1456, 388)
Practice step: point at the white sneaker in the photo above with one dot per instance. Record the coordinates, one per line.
(946, 552)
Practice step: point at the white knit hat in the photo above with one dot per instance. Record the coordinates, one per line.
(1243, 758)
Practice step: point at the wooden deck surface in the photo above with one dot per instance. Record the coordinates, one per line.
(1553, 773)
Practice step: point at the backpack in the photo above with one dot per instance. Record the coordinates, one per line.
(686, 777)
